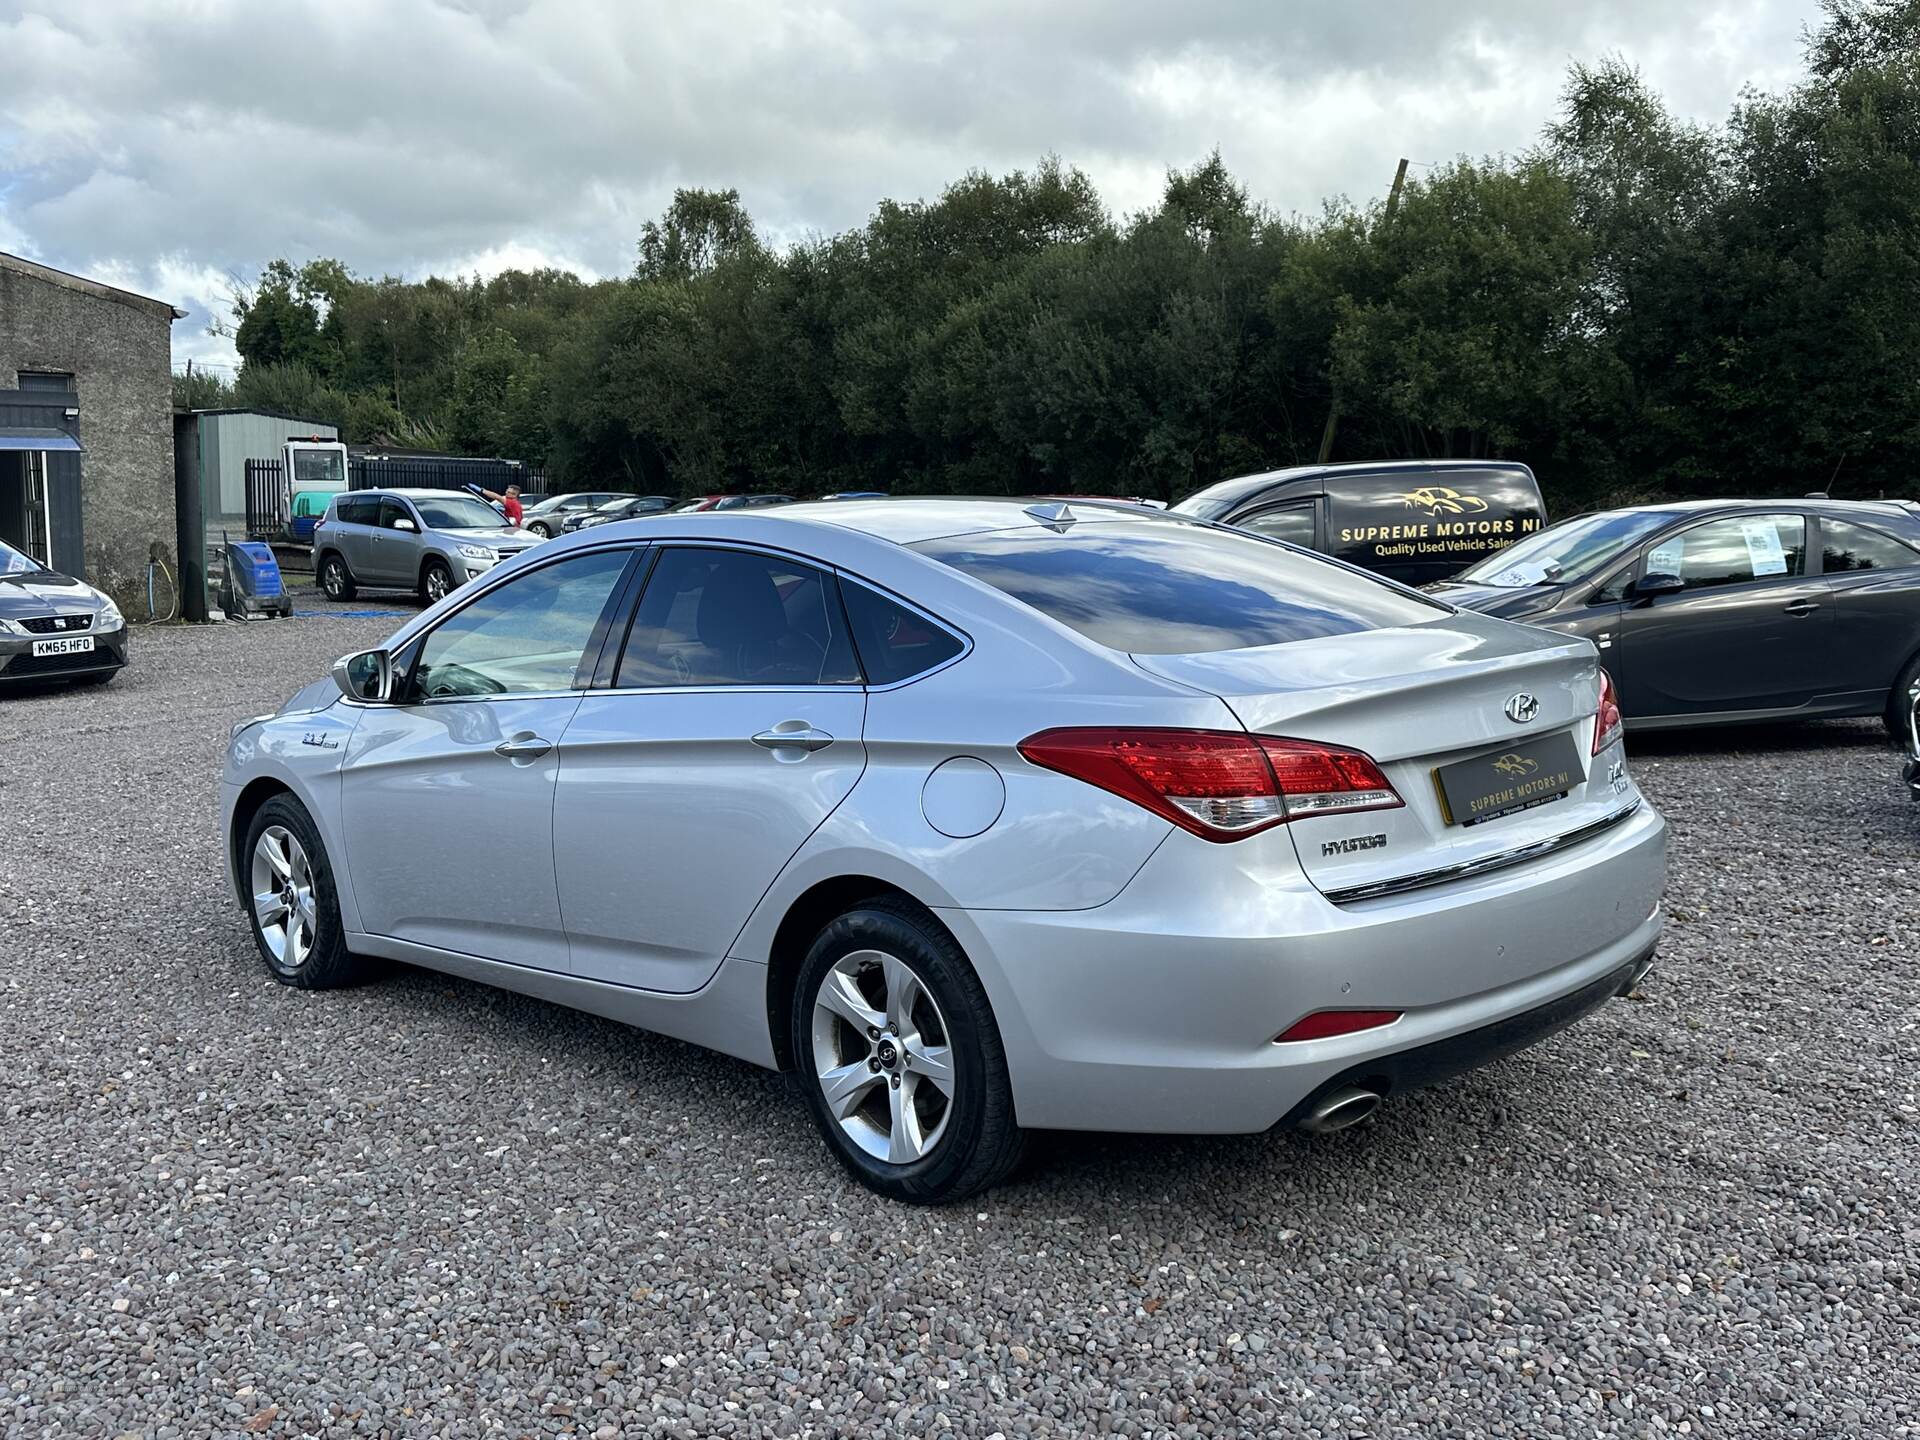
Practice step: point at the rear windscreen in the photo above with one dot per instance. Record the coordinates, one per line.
(1177, 589)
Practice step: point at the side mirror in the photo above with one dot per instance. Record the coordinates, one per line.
(1648, 586)
(366, 677)
(403, 523)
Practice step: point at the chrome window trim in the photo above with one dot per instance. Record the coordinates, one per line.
(1519, 855)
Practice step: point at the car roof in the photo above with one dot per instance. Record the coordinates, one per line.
(909, 520)
(408, 493)
(1817, 504)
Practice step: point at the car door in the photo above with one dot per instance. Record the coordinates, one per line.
(355, 518)
(447, 795)
(731, 730)
(394, 549)
(1875, 580)
(1749, 630)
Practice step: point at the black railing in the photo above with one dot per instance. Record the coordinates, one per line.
(266, 501)
(419, 472)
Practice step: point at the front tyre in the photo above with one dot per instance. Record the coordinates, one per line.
(901, 1059)
(1898, 706)
(539, 527)
(293, 906)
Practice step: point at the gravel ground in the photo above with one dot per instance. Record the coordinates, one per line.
(425, 1207)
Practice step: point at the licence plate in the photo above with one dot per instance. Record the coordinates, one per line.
(69, 645)
(1503, 781)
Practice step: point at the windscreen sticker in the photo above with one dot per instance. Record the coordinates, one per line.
(1664, 559)
(1764, 549)
(1517, 576)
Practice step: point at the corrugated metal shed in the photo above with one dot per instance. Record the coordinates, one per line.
(230, 438)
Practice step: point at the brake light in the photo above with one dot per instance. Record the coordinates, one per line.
(1218, 784)
(1325, 1023)
(1607, 721)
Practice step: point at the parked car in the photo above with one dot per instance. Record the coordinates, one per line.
(54, 627)
(428, 541)
(979, 819)
(856, 495)
(627, 507)
(546, 517)
(729, 502)
(1413, 520)
(1727, 611)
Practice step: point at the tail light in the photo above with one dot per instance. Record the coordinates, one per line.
(1325, 1023)
(1607, 722)
(1217, 784)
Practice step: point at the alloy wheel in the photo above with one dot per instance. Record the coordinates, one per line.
(436, 584)
(284, 906)
(331, 581)
(882, 1056)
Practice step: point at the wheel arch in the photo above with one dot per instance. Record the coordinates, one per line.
(252, 796)
(804, 919)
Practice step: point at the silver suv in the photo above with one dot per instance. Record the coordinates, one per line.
(429, 541)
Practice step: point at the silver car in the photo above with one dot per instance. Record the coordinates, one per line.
(427, 541)
(981, 816)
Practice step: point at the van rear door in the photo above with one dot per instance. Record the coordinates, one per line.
(1423, 524)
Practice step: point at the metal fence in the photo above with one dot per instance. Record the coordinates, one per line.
(420, 472)
(266, 501)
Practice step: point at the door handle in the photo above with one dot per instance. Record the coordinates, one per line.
(793, 735)
(523, 747)
(1801, 607)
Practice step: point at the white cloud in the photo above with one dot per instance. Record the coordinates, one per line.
(179, 140)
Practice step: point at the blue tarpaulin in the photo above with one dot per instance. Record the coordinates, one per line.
(18, 439)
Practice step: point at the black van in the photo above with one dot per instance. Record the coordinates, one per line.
(1413, 520)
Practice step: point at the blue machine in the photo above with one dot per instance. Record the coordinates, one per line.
(252, 587)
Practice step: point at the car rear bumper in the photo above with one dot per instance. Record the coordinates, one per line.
(1158, 1010)
(19, 665)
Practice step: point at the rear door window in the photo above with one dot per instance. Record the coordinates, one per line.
(357, 512)
(1845, 546)
(736, 617)
(1168, 588)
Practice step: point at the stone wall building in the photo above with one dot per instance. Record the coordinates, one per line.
(86, 426)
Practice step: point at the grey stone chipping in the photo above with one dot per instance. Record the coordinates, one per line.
(428, 1208)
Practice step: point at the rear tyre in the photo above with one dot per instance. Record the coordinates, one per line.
(900, 1058)
(1898, 707)
(293, 906)
(436, 582)
(336, 581)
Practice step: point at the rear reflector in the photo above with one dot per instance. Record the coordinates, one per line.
(1218, 784)
(1324, 1023)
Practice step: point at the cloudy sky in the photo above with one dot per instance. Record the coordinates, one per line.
(166, 144)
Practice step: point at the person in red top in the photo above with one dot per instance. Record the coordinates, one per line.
(509, 502)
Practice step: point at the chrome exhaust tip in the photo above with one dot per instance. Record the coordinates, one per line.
(1632, 982)
(1347, 1106)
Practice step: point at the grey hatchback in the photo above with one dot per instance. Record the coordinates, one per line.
(428, 541)
(1727, 611)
